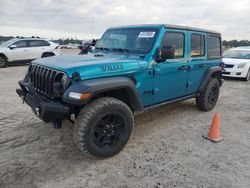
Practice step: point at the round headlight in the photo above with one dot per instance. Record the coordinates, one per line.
(64, 80)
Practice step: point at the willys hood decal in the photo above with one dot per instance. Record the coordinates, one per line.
(90, 66)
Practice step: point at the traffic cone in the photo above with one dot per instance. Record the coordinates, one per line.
(214, 131)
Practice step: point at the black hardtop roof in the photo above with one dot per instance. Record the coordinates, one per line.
(191, 28)
(172, 26)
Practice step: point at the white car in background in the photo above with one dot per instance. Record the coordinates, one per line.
(23, 49)
(237, 63)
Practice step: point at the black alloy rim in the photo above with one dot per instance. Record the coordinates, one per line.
(2, 62)
(108, 130)
(212, 96)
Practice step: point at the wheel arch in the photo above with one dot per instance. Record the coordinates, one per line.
(48, 53)
(122, 88)
(3, 55)
(214, 72)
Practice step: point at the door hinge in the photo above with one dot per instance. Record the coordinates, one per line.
(154, 72)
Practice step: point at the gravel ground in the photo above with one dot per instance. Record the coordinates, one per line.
(166, 149)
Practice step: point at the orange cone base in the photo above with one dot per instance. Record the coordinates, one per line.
(213, 140)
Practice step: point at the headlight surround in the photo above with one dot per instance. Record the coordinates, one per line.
(241, 65)
(61, 82)
(27, 74)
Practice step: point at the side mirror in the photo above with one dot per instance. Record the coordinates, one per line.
(166, 52)
(12, 46)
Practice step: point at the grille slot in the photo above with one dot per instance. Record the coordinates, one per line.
(43, 80)
(228, 73)
(229, 66)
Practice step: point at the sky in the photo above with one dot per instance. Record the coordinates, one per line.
(85, 19)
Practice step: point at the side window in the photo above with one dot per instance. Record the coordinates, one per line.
(176, 40)
(45, 43)
(34, 43)
(21, 44)
(214, 47)
(197, 45)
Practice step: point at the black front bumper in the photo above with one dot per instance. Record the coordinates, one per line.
(47, 110)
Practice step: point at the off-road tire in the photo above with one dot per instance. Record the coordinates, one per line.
(3, 62)
(204, 101)
(247, 76)
(87, 119)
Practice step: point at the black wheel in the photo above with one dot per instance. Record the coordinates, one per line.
(248, 76)
(103, 127)
(208, 98)
(3, 62)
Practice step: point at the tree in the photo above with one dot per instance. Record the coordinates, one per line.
(236, 43)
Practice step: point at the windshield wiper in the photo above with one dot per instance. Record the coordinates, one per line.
(121, 49)
(102, 48)
(233, 57)
(114, 49)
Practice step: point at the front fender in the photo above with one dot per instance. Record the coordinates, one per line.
(102, 85)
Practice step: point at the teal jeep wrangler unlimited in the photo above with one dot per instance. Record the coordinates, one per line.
(132, 68)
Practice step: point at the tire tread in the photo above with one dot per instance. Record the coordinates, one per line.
(201, 101)
(81, 124)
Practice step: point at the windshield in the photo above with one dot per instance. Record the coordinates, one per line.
(134, 40)
(237, 54)
(7, 43)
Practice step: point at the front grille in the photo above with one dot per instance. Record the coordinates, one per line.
(229, 66)
(228, 73)
(44, 80)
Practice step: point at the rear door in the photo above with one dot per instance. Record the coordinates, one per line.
(171, 75)
(197, 60)
(35, 48)
(205, 52)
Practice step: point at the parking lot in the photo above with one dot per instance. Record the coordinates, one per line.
(166, 149)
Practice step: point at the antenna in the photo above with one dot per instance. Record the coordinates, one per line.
(92, 22)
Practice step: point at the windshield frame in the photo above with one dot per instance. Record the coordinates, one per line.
(130, 51)
(8, 43)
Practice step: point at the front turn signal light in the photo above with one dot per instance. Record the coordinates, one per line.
(81, 96)
(85, 96)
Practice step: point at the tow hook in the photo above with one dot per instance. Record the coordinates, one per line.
(57, 124)
(37, 111)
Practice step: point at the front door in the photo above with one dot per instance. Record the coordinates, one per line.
(18, 53)
(170, 76)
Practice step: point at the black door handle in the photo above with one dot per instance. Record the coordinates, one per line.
(202, 65)
(183, 67)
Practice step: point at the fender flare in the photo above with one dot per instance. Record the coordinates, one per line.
(209, 73)
(102, 85)
(51, 53)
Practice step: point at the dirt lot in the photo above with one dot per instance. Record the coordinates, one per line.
(166, 149)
